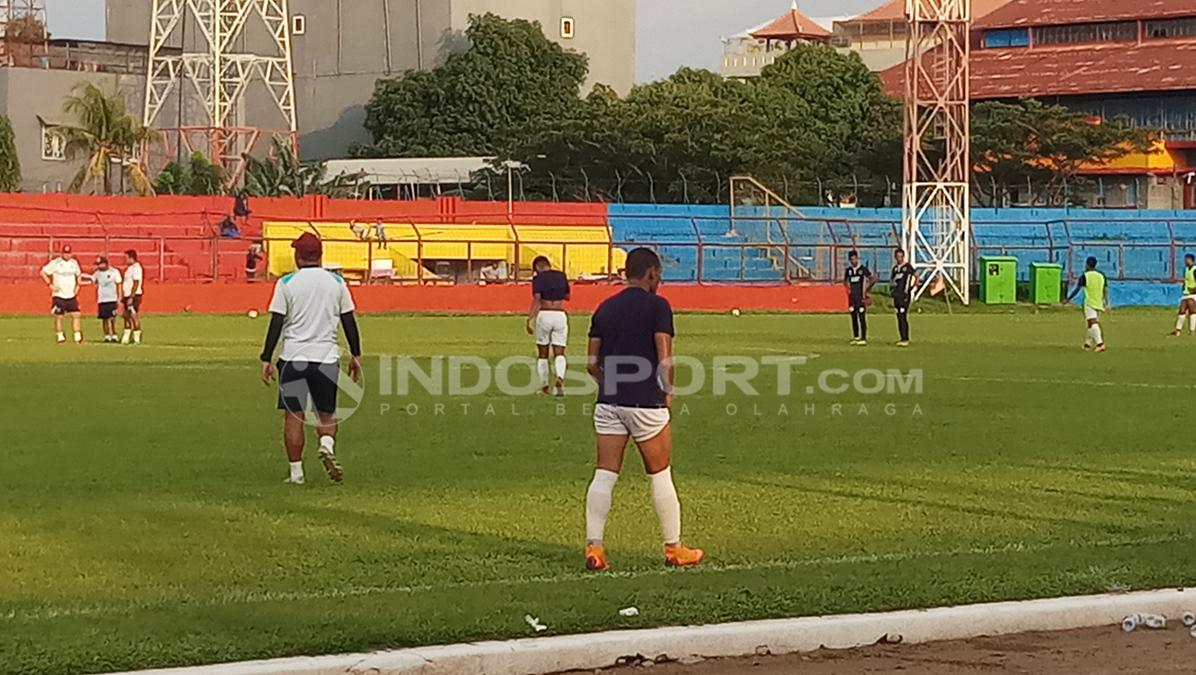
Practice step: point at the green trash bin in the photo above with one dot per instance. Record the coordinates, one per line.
(1046, 283)
(998, 280)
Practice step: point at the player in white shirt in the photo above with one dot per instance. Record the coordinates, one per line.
(62, 274)
(131, 289)
(308, 305)
(108, 287)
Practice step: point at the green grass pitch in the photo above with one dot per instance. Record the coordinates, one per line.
(143, 519)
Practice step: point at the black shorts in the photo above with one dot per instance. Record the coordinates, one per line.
(133, 304)
(107, 311)
(857, 305)
(900, 303)
(299, 381)
(61, 306)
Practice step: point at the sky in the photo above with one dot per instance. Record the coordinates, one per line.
(671, 33)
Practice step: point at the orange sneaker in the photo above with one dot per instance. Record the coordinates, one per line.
(679, 555)
(596, 558)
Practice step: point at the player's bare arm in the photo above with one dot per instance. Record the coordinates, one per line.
(664, 352)
(533, 312)
(593, 365)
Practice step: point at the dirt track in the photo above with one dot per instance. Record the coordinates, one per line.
(1091, 652)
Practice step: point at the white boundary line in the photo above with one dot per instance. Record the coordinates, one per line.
(537, 656)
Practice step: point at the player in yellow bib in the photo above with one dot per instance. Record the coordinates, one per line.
(1187, 304)
(1096, 300)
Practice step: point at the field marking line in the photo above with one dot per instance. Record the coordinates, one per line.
(533, 656)
(239, 598)
(1050, 381)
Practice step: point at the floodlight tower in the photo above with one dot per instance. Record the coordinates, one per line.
(204, 55)
(936, 205)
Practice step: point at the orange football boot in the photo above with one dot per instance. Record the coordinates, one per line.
(596, 558)
(679, 555)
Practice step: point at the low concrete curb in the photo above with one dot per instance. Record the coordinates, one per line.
(537, 656)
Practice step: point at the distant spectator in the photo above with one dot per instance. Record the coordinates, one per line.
(241, 205)
(380, 233)
(229, 229)
(252, 258)
(360, 231)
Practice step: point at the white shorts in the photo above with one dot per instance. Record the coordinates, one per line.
(1091, 314)
(552, 328)
(1187, 298)
(642, 424)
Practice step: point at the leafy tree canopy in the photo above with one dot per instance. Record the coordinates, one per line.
(10, 164)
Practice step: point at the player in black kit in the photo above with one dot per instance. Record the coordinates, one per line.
(858, 281)
(903, 283)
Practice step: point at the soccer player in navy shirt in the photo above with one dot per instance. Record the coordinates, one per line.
(858, 281)
(630, 355)
(548, 322)
(902, 284)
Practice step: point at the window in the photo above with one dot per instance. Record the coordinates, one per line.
(1170, 28)
(53, 144)
(299, 24)
(567, 27)
(1011, 37)
(1120, 31)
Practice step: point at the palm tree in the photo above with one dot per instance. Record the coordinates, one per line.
(281, 174)
(105, 134)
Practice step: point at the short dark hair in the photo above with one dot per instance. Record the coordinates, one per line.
(131, 254)
(1091, 262)
(899, 250)
(641, 261)
(853, 253)
(1190, 256)
(541, 260)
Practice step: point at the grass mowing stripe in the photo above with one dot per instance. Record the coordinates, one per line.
(1078, 383)
(49, 613)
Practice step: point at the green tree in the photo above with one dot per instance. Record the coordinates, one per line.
(1038, 149)
(281, 174)
(197, 176)
(510, 74)
(10, 164)
(104, 134)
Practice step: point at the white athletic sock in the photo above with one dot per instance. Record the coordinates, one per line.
(542, 368)
(78, 336)
(1191, 323)
(1090, 336)
(136, 337)
(328, 445)
(668, 507)
(1179, 323)
(124, 340)
(562, 364)
(598, 500)
(1097, 335)
(296, 470)
(60, 336)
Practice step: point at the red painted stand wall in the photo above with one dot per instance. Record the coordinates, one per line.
(33, 298)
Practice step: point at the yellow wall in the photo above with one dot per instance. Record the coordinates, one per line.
(578, 250)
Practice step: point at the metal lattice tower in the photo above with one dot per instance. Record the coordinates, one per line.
(19, 20)
(936, 205)
(224, 50)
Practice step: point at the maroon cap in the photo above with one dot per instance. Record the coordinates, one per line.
(308, 245)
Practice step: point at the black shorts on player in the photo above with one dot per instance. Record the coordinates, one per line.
(107, 310)
(62, 306)
(133, 304)
(299, 381)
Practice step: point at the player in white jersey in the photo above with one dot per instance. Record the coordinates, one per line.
(62, 274)
(108, 286)
(131, 289)
(307, 306)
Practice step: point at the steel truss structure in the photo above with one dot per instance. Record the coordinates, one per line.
(936, 205)
(212, 72)
(20, 23)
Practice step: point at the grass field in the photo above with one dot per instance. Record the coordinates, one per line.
(143, 521)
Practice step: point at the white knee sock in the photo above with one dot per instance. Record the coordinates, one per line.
(562, 364)
(1191, 323)
(598, 500)
(542, 368)
(668, 507)
(1097, 335)
(1090, 338)
(1179, 323)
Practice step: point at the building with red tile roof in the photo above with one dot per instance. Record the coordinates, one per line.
(879, 35)
(1134, 59)
(746, 54)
